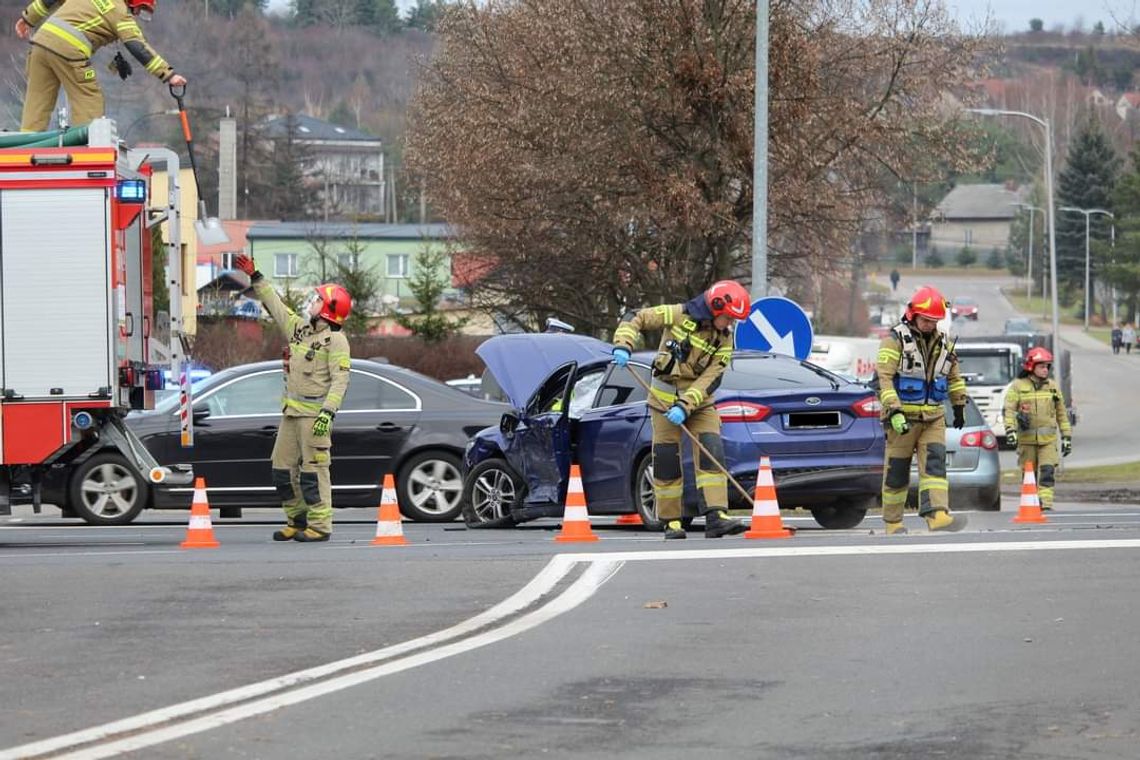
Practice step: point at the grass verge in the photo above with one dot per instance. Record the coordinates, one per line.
(1109, 473)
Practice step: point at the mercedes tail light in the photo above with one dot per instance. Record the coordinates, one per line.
(979, 439)
(867, 407)
(741, 411)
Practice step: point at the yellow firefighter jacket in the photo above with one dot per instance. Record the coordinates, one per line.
(1036, 409)
(316, 360)
(690, 359)
(917, 372)
(74, 29)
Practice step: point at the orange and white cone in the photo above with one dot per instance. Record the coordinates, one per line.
(200, 532)
(389, 523)
(634, 519)
(766, 521)
(575, 520)
(1029, 511)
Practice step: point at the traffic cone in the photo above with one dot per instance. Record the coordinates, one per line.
(1029, 510)
(766, 521)
(200, 532)
(634, 519)
(389, 524)
(575, 520)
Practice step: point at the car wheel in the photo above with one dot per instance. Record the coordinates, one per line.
(106, 490)
(490, 490)
(841, 515)
(644, 500)
(996, 505)
(429, 487)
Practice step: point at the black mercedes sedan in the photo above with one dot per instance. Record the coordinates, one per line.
(393, 420)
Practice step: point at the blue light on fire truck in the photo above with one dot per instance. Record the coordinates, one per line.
(130, 191)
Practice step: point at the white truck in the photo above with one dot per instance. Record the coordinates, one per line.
(844, 355)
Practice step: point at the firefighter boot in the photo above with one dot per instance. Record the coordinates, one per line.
(291, 529)
(944, 521)
(311, 535)
(674, 529)
(718, 523)
(895, 529)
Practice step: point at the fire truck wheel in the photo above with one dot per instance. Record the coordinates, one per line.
(105, 490)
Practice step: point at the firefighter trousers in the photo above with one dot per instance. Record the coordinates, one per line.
(1045, 459)
(46, 72)
(668, 480)
(301, 473)
(928, 439)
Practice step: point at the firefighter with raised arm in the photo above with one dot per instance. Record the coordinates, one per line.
(1034, 414)
(917, 370)
(316, 378)
(64, 35)
(695, 349)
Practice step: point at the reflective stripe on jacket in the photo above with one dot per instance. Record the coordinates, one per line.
(1036, 409)
(75, 29)
(917, 373)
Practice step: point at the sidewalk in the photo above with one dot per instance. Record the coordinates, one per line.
(1075, 336)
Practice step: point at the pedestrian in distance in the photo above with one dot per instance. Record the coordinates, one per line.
(695, 349)
(1128, 336)
(894, 280)
(1117, 338)
(917, 371)
(64, 35)
(1034, 413)
(317, 367)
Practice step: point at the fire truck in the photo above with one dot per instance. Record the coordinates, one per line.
(78, 340)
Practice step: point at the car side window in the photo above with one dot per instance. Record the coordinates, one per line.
(621, 388)
(583, 393)
(259, 393)
(368, 392)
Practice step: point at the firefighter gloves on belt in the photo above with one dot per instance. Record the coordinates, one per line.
(676, 414)
(1066, 446)
(1011, 437)
(959, 417)
(322, 423)
(899, 423)
(621, 357)
(245, 264)
(120, 66)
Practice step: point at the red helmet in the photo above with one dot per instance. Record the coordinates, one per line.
(1037, 355)
(136, 6)
(926, 302)
(728, 297)
(336, 303)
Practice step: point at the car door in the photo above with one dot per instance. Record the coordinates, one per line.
(610, 435)
(374, 422)
(539, 446)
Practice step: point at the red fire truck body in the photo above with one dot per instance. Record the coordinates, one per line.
(76, 309)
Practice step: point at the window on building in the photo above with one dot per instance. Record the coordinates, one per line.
(969, 237)
(285, 265)
(349, 261)
(398, 265)
(228, 259)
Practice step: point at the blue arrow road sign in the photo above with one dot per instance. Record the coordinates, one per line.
(777, 325)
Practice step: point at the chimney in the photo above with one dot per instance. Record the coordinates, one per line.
(227, 168)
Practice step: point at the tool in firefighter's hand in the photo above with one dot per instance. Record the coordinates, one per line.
(208, 229)
(621, 357)
(119, 65)
(652, 403)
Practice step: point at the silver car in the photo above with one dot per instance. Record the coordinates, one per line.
(972, 466)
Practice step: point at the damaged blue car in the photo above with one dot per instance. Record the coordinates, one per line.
(571, 404)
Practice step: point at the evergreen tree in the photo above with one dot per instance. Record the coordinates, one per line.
(425, 14)
(1086, 182)
(1121, 263)
(427, 285)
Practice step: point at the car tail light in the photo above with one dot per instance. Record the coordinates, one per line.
(867, 407)
(983, 439)
(741, 411)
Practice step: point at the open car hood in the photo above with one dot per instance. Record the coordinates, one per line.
(520, 363)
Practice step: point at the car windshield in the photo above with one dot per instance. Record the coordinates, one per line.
(1019, 326)
(771, 373)
(964, 301)
(990, 369)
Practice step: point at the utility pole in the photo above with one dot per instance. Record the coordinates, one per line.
(760, 159)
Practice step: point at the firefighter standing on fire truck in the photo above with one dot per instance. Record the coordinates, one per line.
(1034, 414)
(696, 347)
(917, 370)
(316, 378)
(68, 33)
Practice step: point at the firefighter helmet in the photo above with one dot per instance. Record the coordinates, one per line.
(1037, 355)
(926, 302)
(138, 6)
(336, 303)
(728, 297)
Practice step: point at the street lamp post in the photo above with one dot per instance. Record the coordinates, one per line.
(1050, 221)
(1029, 258)
(1088, 212)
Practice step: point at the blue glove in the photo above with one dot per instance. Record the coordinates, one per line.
(676, 415)
(621, 357)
